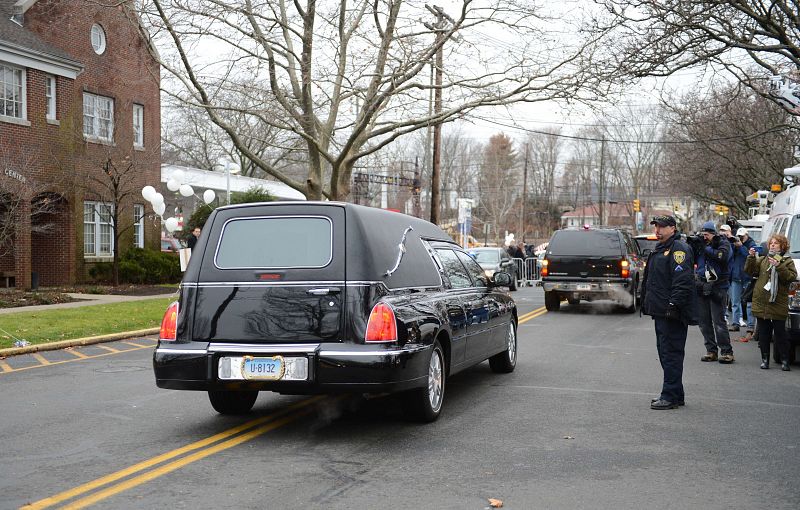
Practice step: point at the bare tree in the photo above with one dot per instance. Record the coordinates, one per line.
(499, 184)
(351, 77)
(732, 146)
(18, 189)
(659, 37)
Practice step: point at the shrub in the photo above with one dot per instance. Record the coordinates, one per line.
(101, 271)
(140, 266)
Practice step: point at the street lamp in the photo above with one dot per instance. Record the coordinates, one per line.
(230, 168)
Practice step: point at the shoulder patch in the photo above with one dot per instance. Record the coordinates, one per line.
(679, 256)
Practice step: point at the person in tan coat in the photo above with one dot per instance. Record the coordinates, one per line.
(774, 273)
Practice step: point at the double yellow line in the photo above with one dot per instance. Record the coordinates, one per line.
(202, 449)
(532, 315)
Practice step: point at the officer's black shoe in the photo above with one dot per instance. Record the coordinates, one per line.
(661, 404)
(654, 400)
(785, 366)
(733, 327)
(765, 362)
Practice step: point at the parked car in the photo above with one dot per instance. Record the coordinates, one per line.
(592, 264)
(325, 297)
(171, 245)
(496, 260)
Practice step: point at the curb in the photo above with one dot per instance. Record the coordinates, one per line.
(53, 346)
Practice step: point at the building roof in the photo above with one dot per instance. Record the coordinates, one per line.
(21, 46)
(218, 182)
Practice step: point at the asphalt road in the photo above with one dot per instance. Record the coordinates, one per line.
(570, 428)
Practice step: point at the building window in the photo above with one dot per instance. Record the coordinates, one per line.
(50, 95)
(98, 238)
(12, 92)
(98, 39)
(138, 225)
(98, 117)
(138, 125)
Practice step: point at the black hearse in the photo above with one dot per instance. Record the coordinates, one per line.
(324, 297)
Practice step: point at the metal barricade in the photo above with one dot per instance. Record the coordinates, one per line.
(527, 271)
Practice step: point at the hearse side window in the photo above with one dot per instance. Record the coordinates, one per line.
(474, 269)
(459, 279)
(275, 242)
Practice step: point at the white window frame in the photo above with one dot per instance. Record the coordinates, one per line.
(138, 225)
(13, 72)
(97, 110)
(138, 125)
(97, 37)
(50, 96)
(98, 235)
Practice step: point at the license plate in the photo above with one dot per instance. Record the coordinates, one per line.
(262, 368)
(584, 286)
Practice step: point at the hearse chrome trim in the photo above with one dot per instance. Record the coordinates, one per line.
(264, 349)
(402, 248)
(306, 283)
(162, 350)
(280, 216)
(377, 352)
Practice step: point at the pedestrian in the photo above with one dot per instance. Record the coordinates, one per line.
(747, 288)
(774, 272)
(193, 237)
(739, 278)
(712, 278)
(668, 297)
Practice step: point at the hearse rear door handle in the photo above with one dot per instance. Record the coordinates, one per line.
(322, 292)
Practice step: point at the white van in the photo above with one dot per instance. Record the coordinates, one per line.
(784, 219)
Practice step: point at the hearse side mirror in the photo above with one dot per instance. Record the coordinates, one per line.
(501, 279)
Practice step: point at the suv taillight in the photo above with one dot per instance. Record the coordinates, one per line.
(169, 324)
(381, 326)
(543, 271)
(624, 268)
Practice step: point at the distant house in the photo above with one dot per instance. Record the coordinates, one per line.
(616, 215)
(79, 94)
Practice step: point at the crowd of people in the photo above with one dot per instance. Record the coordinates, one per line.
(693, 282)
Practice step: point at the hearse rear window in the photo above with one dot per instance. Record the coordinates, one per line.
(275, 242)
(585, 243)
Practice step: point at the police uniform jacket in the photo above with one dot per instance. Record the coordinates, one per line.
(759, 267)
(668, 278)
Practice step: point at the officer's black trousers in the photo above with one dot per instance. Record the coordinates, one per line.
(671, 345)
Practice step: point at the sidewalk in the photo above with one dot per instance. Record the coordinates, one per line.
(86, 300)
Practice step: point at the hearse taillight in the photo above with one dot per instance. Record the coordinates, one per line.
(624, 267)
(381, 326)
(544, 269)
(169, 324)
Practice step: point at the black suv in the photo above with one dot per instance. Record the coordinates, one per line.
(591, 264)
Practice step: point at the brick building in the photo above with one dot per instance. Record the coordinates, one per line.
(79, 137)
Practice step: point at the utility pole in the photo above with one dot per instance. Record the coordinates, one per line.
(524, 195)
(437, 109)
(601, 191)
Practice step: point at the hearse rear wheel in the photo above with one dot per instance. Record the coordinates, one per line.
(425, 404)
(232, 402)
(504, 362)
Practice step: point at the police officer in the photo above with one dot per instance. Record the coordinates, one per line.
(668, 296)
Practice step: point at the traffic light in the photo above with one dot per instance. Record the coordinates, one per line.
(636, 205)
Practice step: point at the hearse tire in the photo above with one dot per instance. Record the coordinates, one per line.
(513, 285)
(634, 302)
(425, 404)
(232, 402)
(552, 301)
(573, 301)
(505, 362)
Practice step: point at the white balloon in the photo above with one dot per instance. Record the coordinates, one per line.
(186, 190)
(179, 176)
(148, 192)
(209, 196)
(171, 224)
(158, 198)
(160, 208)
(173, 185)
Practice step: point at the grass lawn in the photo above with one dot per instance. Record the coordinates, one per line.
(69, 323)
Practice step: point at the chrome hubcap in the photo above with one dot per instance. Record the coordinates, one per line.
(435, 380)
(512, 344)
